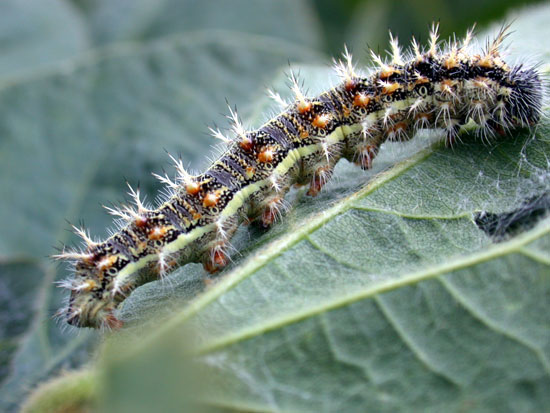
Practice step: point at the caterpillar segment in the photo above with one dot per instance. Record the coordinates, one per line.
(442, 88)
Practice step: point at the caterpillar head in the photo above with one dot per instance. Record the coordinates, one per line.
(91, 302)
(525, 100)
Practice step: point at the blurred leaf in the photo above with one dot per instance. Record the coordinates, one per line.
(70, 392)
(141, 20)
(67, 139)
(370, 21)
(35, 34)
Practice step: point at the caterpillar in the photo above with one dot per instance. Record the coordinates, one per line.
(442, 87)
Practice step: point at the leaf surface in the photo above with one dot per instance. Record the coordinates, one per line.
(35, 35)
(143, 20)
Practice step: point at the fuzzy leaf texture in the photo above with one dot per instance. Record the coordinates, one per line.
(383, 293)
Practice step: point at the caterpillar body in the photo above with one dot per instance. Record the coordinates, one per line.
(437, 88)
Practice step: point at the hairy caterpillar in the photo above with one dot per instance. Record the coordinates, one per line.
(422, 89)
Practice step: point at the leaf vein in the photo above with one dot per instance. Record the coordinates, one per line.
(446, 282)
(409, 342)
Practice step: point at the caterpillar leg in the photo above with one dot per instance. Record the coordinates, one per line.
(365, 155)
(451, 134)
(321, 176)
(273, 210)
(215, 256)
(113, 323)
(216, 260)
(400, 132)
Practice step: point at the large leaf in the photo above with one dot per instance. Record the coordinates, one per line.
(391, 298)
(365, 304)
(68, 139)
(141, 20)
(36, 34)
(383, 292)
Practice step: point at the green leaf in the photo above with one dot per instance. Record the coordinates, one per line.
(69, 138)
(370, 20)
(70, 392)
(36, 34)
(466, 334)
(392, 297)
(381, 293)
(356, 304)
(142, 20)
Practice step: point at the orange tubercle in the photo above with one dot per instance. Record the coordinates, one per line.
(367, 154)
(425, 116)
(246, 143)
(106, 262)
(451, 62)
(270, 212)
(268, 218)
(303, 106)
(266, 155)
(390, 88)
(319, 180)
(215, 262)
(250, 171)
(220, 258)
(113, 323)
(400, 126)
(210, 199)
(361, 100)
(447, 84)
(485, 61)
(193, 188)
(420, 80)
(387, 72)
(350, 84)
(157, 233)
(141, 221)
(321, 121)
(87, 285)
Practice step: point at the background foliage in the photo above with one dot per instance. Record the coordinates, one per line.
(387, 294)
